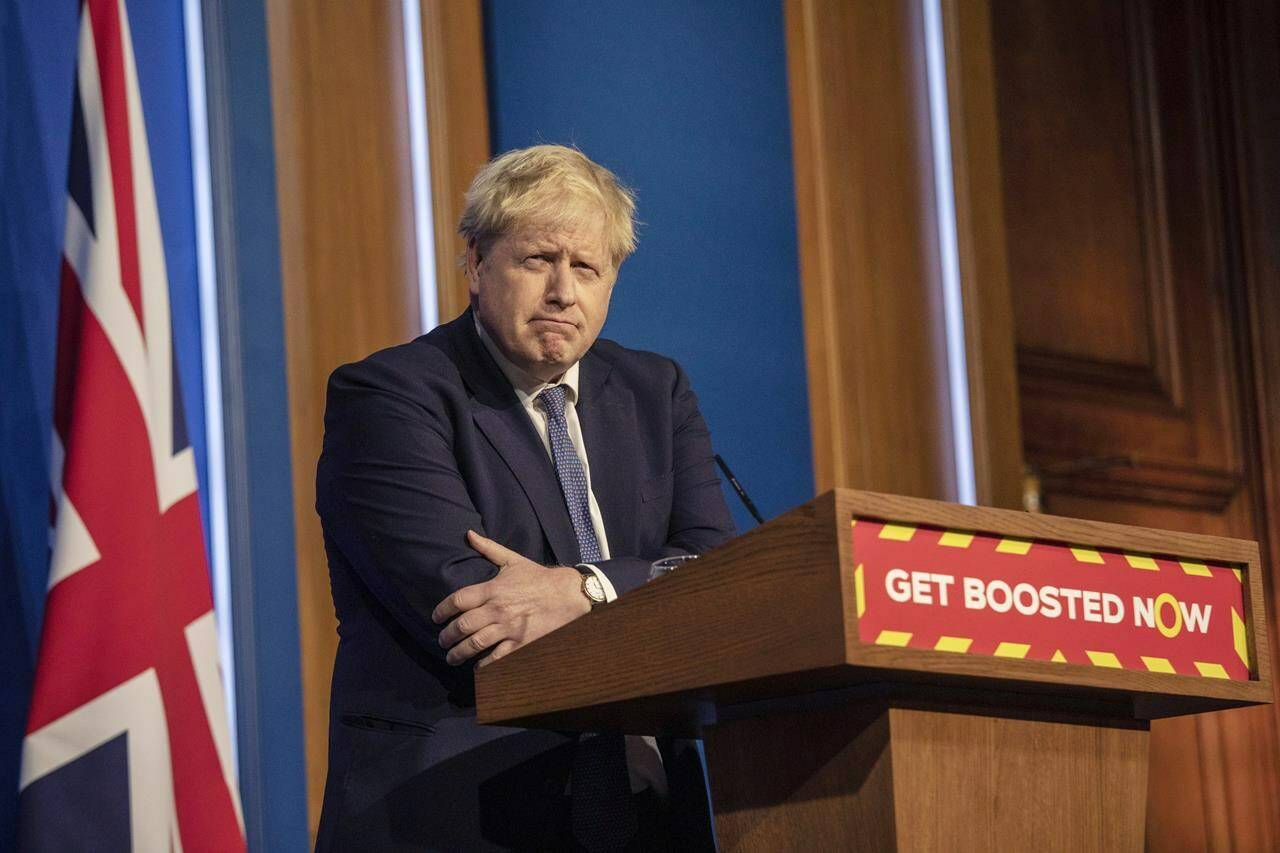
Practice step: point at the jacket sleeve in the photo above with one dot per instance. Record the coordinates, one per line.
(699, 518)
(390, 496)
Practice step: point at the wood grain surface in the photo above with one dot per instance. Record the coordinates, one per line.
(457, 131)
(347, 236)
(820, 780)
(869, 269)
(870, 777)
(771, 614)
(983, 262)
(1250, 756)
(348, 260)
(1133, 140)
(684, 633)
(970, 782)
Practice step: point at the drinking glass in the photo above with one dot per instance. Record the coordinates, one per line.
(667, 565)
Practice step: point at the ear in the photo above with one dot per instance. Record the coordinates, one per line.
(471, 265)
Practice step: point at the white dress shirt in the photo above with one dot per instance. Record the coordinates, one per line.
(644, 763)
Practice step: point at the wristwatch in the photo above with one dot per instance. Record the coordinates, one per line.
(591, 586)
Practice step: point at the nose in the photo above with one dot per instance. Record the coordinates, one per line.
(561, 287)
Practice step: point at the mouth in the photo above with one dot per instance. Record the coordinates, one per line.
(560, 325)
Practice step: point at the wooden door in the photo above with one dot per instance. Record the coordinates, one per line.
(1120, 142)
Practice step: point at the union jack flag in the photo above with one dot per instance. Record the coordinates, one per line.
(127, 743)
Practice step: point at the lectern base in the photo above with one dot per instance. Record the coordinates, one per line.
(867, 776)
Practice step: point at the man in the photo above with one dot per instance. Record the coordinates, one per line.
(482, 486)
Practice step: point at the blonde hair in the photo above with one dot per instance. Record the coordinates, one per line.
(548, 185)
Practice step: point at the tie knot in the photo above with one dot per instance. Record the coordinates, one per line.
(553, 399)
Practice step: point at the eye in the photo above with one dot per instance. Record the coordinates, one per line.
(586, 268)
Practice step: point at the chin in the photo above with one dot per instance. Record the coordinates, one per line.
(556, 360)
(554, 349)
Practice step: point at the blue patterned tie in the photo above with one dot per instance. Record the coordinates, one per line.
(569, 470)
(603, 817)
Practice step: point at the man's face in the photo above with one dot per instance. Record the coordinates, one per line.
(543, 293)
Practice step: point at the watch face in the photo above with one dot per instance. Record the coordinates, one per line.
(594, 589)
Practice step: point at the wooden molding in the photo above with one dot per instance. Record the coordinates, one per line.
(826, 383)
(1153, 212)
(980, 243)
(1253, 43)
(1154, 483)
(457, 130)
(869, 266)
(1058, 375)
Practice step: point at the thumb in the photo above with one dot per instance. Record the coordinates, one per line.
(499, 555)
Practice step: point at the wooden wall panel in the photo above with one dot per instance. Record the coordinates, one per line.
(1075, 222)
(1132, 140)
(349, 262)
(347, 236)
(457, 129)
(982, 255)
(1250, 41)
(868, 247)
(1121, 319)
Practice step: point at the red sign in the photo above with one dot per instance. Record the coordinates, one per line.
(966, 593)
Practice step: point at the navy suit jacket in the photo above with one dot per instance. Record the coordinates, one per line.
(427, 440)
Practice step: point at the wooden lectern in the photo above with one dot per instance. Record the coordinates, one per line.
(851, 697)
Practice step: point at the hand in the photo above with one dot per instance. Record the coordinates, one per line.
(525, 601)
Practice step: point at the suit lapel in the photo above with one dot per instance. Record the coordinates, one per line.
(606, 412)
(498, 414)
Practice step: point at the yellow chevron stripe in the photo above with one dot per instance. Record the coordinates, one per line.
(1241, 639)
(1012, 650)
(1058, 657)
(1239, 575)
(1197, 569)
(1140, 562)
(1106, 659)
(1013, 546)
(1212, 670)
(955, 539)
(1159, 665)
(898, 532)
(953, 644)
(858, 590)
(893, 638)
(1086, 555)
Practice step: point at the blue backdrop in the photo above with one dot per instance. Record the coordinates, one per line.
(687, 103)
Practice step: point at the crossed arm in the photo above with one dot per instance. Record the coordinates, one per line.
(394, 502)
(524, 602)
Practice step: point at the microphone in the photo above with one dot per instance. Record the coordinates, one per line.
(737, 487)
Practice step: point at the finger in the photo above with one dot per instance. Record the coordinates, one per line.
(460, 601)
(499, 555)
(466, 624)
(485, 638)
(501, 650)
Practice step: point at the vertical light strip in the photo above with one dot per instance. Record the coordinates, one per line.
(422, 214)
(216, 494)
(953, 307)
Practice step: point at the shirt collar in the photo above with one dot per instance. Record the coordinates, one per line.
(527, 387)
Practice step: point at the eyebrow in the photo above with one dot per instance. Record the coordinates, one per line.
(536, 245)
(543, 246)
